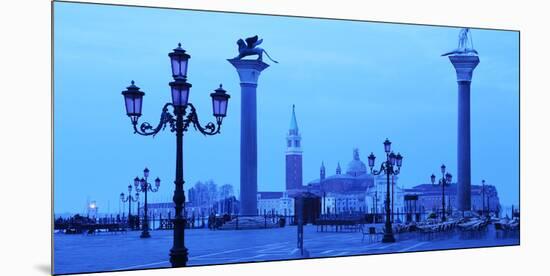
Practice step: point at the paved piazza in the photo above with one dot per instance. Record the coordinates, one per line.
(105, 251)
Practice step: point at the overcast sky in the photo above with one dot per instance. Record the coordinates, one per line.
(353, 84)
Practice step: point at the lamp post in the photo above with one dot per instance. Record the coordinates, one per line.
(483, 196)
(325, 203)
(142, 185)
(93, 207)
(183, 115)
(392, 197)
(387, 167)
(129, 199)
(490, 194)
(375, 205)
(446, 179)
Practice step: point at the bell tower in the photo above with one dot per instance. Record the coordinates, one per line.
(322, 171)
(293, 155)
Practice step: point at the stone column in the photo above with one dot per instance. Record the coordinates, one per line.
(249, 71)
(464, 66)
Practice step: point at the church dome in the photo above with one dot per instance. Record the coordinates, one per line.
(356, 167)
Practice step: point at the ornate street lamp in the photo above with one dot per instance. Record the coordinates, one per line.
(129, 199)
(182, 116)
(445, 180)
(180, 92)
(143, 186)
(133, 102)
(219, 104)
(387, 167)
(179, 59)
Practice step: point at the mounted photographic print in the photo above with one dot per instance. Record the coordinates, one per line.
(192, 138)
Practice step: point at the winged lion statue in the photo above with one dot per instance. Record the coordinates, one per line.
(250, 48)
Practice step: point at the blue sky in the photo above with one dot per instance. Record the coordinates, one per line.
(353, 84)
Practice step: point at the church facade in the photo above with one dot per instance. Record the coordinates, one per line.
(355, 190)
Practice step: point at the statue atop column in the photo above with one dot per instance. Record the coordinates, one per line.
(465, 44)
(250, 48)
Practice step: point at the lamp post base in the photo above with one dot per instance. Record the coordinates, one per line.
(145, 235)
(298, 253)
(178, 257)
(388, 238)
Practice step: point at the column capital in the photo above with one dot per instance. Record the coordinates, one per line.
(464, 66)
(249, 70)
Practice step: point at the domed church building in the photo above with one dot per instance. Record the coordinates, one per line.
(355, 179)
(355, 191)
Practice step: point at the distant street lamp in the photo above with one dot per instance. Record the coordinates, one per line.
(446, 179)
(490, 194)
(129, 199)
(93, 207)
(387, 167)
(143, 186)
(184, 114)
(483, 196)
(375, 205)
(392, 197)
(325, 209)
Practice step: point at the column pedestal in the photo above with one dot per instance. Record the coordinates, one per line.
(249, 72)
